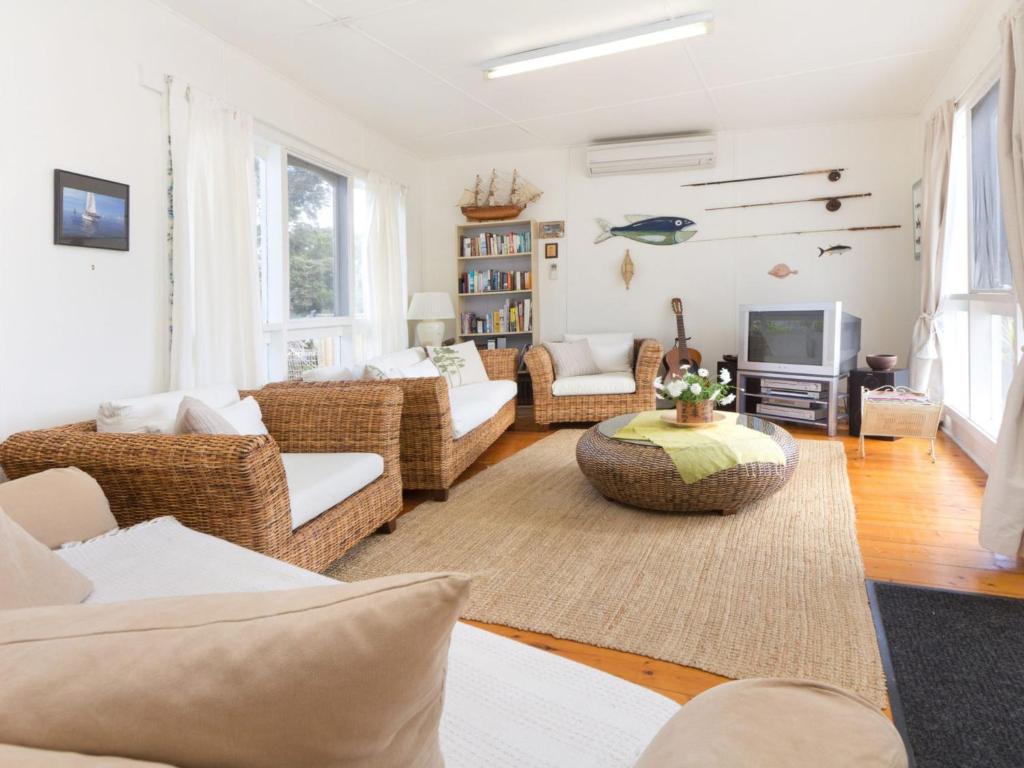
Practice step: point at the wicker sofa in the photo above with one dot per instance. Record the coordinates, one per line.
(234, 486)
(432, 457)
(551, 408)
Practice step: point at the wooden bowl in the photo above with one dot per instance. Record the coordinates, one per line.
(881, 362)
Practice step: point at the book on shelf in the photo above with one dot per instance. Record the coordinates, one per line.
(496, 244)
(511, 317)
(490, 280)
(814, 413)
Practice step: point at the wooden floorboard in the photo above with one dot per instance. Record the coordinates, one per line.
(917, 523)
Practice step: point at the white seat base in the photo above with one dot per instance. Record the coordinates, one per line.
(318, 481)
(613, 383)
(473, 404)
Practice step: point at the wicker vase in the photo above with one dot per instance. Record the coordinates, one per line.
(695, 413)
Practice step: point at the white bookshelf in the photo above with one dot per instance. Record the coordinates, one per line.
(483, 303)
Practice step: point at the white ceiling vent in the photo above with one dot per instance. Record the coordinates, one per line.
(674, 153)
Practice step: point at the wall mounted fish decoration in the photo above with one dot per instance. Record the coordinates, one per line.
(834, 249)
(782, 271)
(653, 230)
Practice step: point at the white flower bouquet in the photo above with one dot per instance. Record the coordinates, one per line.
(695, 393)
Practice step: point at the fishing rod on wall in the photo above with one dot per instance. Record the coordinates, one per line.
(833, 174)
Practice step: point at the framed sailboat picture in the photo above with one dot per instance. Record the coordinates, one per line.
(89, 212)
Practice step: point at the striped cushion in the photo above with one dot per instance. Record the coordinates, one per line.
(572, 358)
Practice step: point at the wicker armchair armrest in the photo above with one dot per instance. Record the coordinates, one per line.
(231, 486)
(542, 370)
(648, 361)
(334, 419)
(500, 363)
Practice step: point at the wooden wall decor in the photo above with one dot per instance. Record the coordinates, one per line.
(627, 270)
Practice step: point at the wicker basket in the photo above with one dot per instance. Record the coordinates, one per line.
(898, 418)
(695, 413)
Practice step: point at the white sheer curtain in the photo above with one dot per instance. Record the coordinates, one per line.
(1002, 509)
(216, 334)
(380, 325)
(925, 358)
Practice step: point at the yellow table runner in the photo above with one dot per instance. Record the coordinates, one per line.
(699, 452)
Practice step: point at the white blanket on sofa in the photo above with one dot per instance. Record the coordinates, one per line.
(506, 704)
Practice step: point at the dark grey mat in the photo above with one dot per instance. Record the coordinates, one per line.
(954, 663)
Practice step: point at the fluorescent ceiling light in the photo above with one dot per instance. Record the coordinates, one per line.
(601, 45)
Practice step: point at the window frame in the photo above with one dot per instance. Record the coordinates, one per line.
(979, 304)
(275, 149)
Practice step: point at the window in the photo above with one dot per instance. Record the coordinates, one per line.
(979, 321)
(304, 240)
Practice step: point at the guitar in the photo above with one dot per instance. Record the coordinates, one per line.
(682, 354)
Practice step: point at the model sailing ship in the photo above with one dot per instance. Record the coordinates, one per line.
(479, 204)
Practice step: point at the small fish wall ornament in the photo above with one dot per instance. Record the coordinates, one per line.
(834, 249)
(653, 230)
(782, 271)
(627, 269)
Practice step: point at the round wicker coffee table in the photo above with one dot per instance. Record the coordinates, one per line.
(642, 475)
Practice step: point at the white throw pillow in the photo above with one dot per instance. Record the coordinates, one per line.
(243, 418)
(157, 413)
(460, 364)
(424, 369)
(612, 351)
(330, 373)
(378, 367)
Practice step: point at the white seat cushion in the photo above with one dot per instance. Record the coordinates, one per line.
(473, 404)
(318, 481)
(617, 383)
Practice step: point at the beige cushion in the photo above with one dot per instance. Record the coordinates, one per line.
(776, 724)
(197, 418)
(611, 351)
(26, 757)
(459, 364)
(31, 575)
(572, 358)
(617, 383)
(58, 506)
(345, 676)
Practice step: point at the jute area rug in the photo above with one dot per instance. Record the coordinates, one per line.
(776, 590)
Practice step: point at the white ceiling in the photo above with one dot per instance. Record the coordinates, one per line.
(411, 68)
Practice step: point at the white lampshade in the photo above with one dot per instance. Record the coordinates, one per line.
(431, 306)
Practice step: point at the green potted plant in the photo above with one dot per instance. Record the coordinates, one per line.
(695, 394)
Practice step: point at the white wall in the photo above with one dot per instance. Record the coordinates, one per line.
(877, 280)
(78, 325)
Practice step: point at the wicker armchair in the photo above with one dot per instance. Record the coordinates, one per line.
(233, 486)
(550, 409)
(432, 459)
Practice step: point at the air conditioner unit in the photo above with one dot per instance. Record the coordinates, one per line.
(652, 155)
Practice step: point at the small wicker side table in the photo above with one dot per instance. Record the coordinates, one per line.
(898, 412)
(642, 475)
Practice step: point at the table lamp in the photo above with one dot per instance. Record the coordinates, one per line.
(431, 309)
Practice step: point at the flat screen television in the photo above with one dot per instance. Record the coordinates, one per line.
(817, 339)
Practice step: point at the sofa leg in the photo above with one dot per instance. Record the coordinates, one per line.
(389, 527)
(439, 494)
